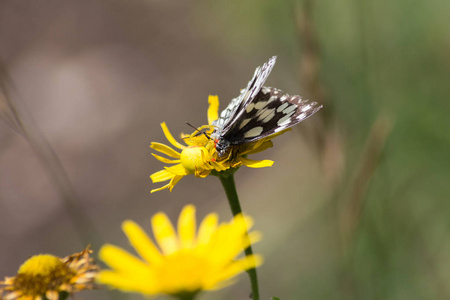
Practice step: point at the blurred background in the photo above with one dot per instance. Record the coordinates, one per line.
(356, 205)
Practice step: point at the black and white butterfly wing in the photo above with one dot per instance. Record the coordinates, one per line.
(271, 111)
(236, 107)
(259, 112)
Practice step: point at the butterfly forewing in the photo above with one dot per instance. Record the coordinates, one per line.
(259, 112)
(233, 111)
(271, 111)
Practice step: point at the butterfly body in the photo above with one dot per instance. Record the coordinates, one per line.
(259, 112)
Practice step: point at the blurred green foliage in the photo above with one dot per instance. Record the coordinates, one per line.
(378, 60)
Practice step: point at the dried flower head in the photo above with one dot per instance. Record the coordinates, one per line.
(45, 276)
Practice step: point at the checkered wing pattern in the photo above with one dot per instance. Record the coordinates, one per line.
(271, 111)
(236, 107)
(259, 112)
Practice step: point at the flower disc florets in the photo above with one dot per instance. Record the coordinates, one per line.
(41, 273)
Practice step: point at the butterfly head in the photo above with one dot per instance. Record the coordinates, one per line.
(221, 146)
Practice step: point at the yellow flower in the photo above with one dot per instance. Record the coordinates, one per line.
(46, 276)
(184, 263)
(199, 157)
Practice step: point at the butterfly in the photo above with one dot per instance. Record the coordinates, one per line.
(259, 112)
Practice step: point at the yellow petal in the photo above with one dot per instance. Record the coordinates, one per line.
(164, 233)
(213, 285)
(116, 280)
(170, 138)
(207, 228)
(213, 109)
(187, 226)
(120, 260)
(202, 173)
(162, 175)
(166, 160)
(253, 237)
(246, 263)
(280, 133)
(256, 163)
(258, 147)
(141, 242)
(233, 234)
(177, 170)
(174, 181)
(160, 189)
(165, 149)
(219, 166)
(127, 283)
(242, 221)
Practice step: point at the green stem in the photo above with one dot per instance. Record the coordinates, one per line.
(227, 180)
(187, 296)
(62, 296)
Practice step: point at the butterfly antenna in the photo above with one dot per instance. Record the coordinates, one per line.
(190, 125)
(199, 132)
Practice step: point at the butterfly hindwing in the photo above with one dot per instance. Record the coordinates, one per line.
(270, 111)
(259, 112)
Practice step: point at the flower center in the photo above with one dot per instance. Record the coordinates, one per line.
(42, 264)
(42, 273)
(194, 158)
